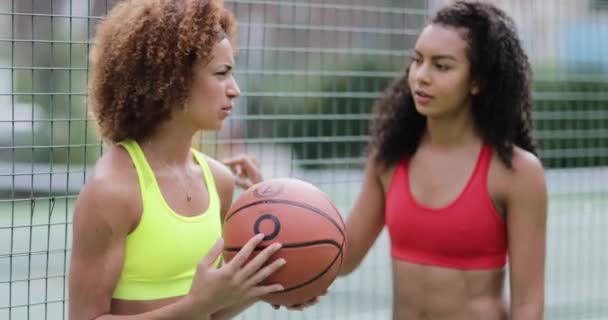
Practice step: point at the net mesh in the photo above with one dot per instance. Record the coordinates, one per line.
(309, 72)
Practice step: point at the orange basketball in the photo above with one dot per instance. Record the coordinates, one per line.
(300, 217)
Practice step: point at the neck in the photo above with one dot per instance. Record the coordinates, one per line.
(170, 145)
(452, 131)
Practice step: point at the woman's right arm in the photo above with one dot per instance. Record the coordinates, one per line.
(100, 227)
(102, 221)
(366, 219)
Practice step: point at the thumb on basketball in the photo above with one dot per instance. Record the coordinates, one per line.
(213, 254)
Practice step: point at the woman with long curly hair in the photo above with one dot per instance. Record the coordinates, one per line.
(147, 224)
(453, 174)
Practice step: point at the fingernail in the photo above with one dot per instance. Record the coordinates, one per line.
(280, 288)
(282, 262)
(277, 246)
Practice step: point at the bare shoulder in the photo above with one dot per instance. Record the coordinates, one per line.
(381, 172)
(527, 167)
(111, 194)
(220, 172)
(526, 176)
(224, 181)
(524, 165)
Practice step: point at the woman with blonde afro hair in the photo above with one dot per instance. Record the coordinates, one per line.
(147, 224)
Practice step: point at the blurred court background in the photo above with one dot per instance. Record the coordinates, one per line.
(310, 71)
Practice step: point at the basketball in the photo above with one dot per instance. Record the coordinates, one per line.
(307, 224)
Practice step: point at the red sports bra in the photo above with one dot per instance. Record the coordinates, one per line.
(466, 234)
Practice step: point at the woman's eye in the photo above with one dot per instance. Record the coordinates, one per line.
(442, 67)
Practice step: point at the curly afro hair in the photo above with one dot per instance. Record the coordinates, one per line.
(142, 62)
(502, 109)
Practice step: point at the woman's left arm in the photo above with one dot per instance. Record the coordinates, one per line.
(226, 182)
(526, 225)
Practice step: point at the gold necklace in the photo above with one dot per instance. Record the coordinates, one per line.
(174, 171)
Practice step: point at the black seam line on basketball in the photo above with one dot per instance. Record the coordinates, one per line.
(292, 245)
(315, 278)
(293, 203)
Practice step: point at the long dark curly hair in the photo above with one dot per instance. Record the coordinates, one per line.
(502, 109)
(142, 63)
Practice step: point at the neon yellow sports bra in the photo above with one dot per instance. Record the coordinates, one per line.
(162, 253)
